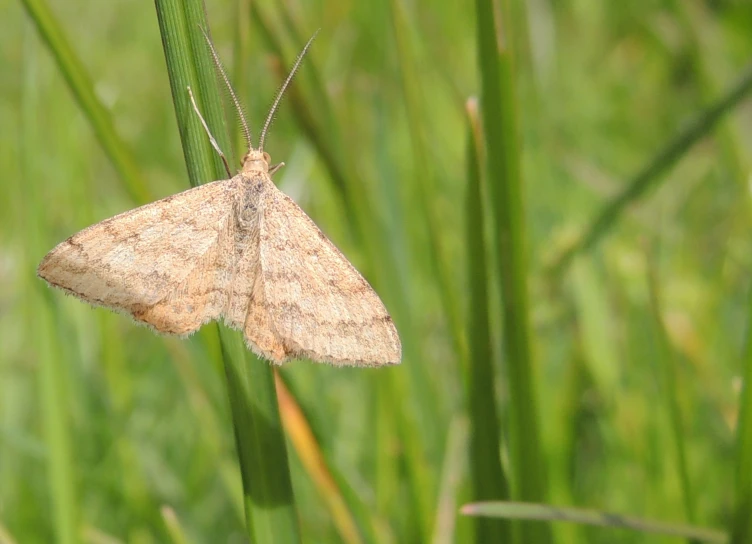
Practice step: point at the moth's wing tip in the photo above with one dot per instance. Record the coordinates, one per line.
(55, 258)
(42, 267)
(45, 270)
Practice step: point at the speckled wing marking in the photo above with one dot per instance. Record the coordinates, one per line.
(318, 304)
(166, 263)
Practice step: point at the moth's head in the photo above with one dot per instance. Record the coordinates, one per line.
(256, 161)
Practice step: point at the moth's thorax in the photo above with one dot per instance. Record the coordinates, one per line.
(256, 162)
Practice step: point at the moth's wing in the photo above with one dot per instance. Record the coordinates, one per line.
(165, 263)
(257, 325)
(319, 305)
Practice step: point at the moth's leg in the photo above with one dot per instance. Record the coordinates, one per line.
(214, 143)
(276, 167)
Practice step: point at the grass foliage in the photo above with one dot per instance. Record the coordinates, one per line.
(552, 199)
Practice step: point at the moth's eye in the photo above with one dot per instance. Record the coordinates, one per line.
(267, 158)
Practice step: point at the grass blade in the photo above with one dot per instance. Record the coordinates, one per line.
(499, 105)
(81, 87)
(488, 478)
(741, 521)
(521, 510)
(53, 380)
(188, 65)
(662, 161)
(267, 488)
(667, 361)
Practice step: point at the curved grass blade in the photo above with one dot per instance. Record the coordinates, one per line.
(693, 16)
(544, 512)
(267, 488)
(649, 175)
(83, 90)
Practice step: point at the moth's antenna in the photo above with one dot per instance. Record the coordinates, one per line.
(282, 89)
(235, 101)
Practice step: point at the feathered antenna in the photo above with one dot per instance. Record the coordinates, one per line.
(235, 101)
(282, 89)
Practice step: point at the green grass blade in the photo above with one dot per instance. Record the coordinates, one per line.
(667, 362)
(499, 114)
(693, 17)
(741, 521)
(544, 512)
(179, 22)
(268, 497)
(53, 379)
(269, 503)
(81, 87)
(488, 478)
(57, 425)
(697, 128)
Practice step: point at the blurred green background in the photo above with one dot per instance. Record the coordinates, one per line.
(637, 345)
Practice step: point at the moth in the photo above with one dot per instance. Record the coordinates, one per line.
(236, 249)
